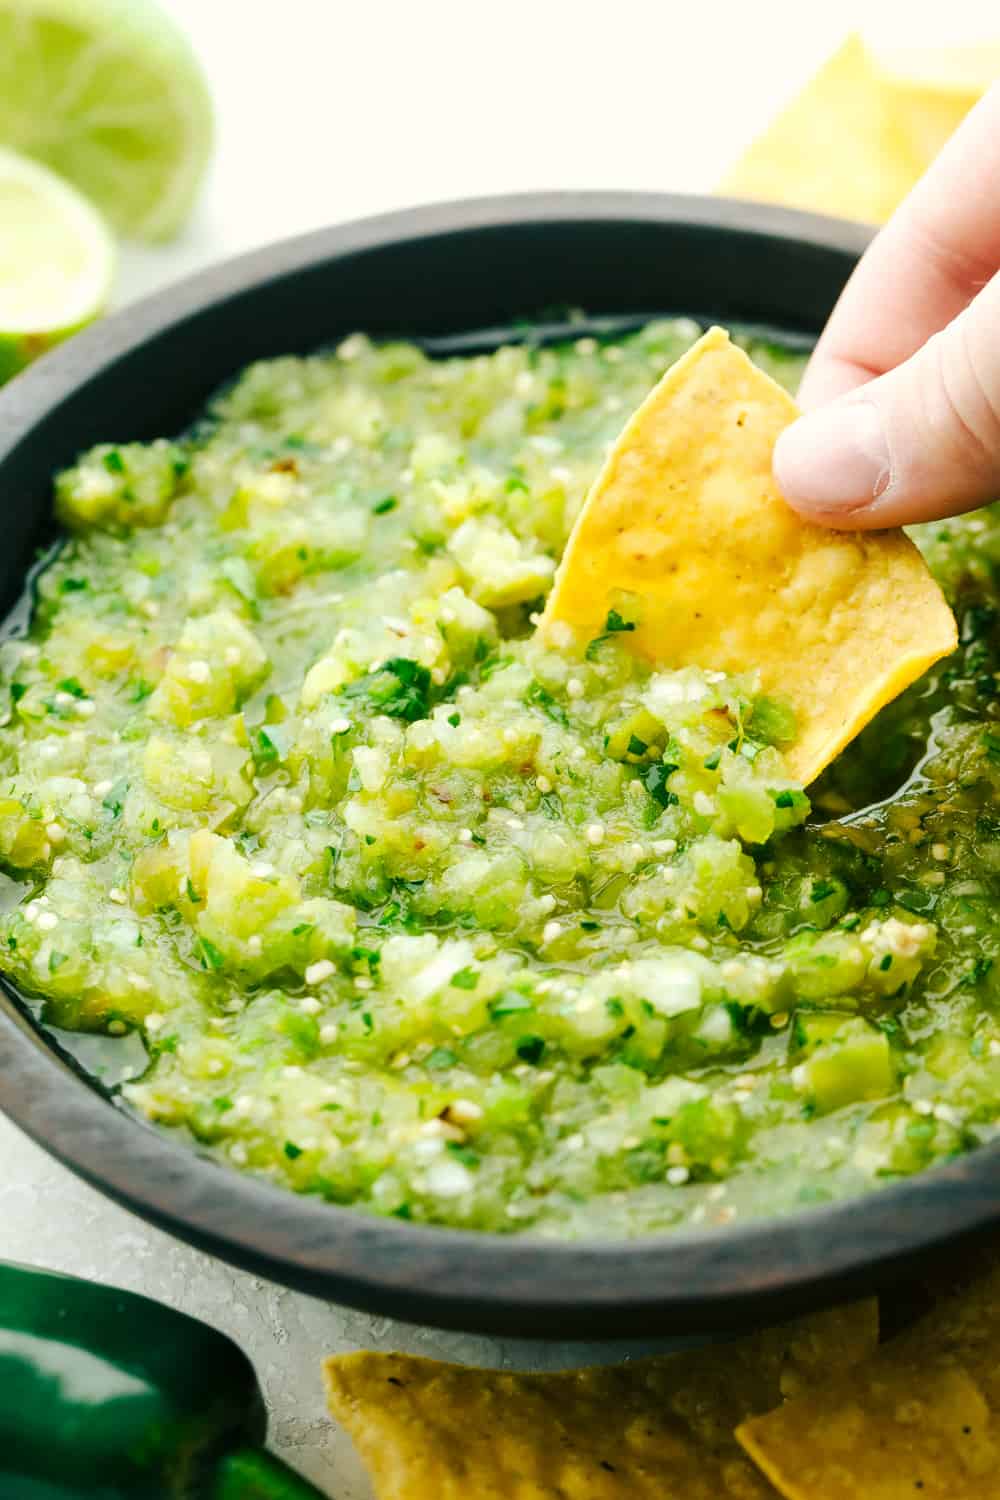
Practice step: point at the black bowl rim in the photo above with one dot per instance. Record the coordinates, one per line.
(464, 1279)
(47, 381)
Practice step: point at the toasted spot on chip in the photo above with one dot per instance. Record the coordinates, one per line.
(655, 1429)
(686, 517)
(874, 122)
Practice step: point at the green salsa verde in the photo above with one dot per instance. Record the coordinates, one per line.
(413, 913)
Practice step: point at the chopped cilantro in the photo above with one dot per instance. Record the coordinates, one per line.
(820, 889)
(371, 956)
(115, 800)
(543, 699)
(615, 624)
(464, 1154)
(530, 1049)
(980, 968)
(211, 958)
(264, 750)
(655, 781)
(399, 688)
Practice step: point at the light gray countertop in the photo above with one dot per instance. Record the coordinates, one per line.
(49, 1217)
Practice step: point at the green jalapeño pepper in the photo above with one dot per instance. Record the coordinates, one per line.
(105, 1395)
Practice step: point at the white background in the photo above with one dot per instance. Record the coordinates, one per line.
(326, 111)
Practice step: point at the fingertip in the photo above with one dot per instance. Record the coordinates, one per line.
(833, 463)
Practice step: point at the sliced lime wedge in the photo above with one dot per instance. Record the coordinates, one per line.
(110, 95)
(57, 260)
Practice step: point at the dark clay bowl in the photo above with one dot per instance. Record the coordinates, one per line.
(437, 272)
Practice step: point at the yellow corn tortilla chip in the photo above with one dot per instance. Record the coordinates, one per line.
(658, 1429)
(928, 93)
(685, 515)
(861, 132)
(887, 1432)
(964, 1326)
(919, 1421)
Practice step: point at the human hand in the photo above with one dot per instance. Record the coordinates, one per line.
(902, 394)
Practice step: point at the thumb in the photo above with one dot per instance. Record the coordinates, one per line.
(916, 444)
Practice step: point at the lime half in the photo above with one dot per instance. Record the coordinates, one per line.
(109, 94)
(57, 261)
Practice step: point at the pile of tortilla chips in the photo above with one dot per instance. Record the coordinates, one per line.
(822, 1409)
(861, 132)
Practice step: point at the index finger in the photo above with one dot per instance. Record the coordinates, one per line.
(937, 251)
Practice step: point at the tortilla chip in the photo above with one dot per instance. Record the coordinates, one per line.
(685, 515)
(928, 93)
(658, 1429)
(861, 132)
(889, 1431)
(964, 1326)
(920, 1419)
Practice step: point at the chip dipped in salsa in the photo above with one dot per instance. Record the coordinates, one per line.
(395, 901)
